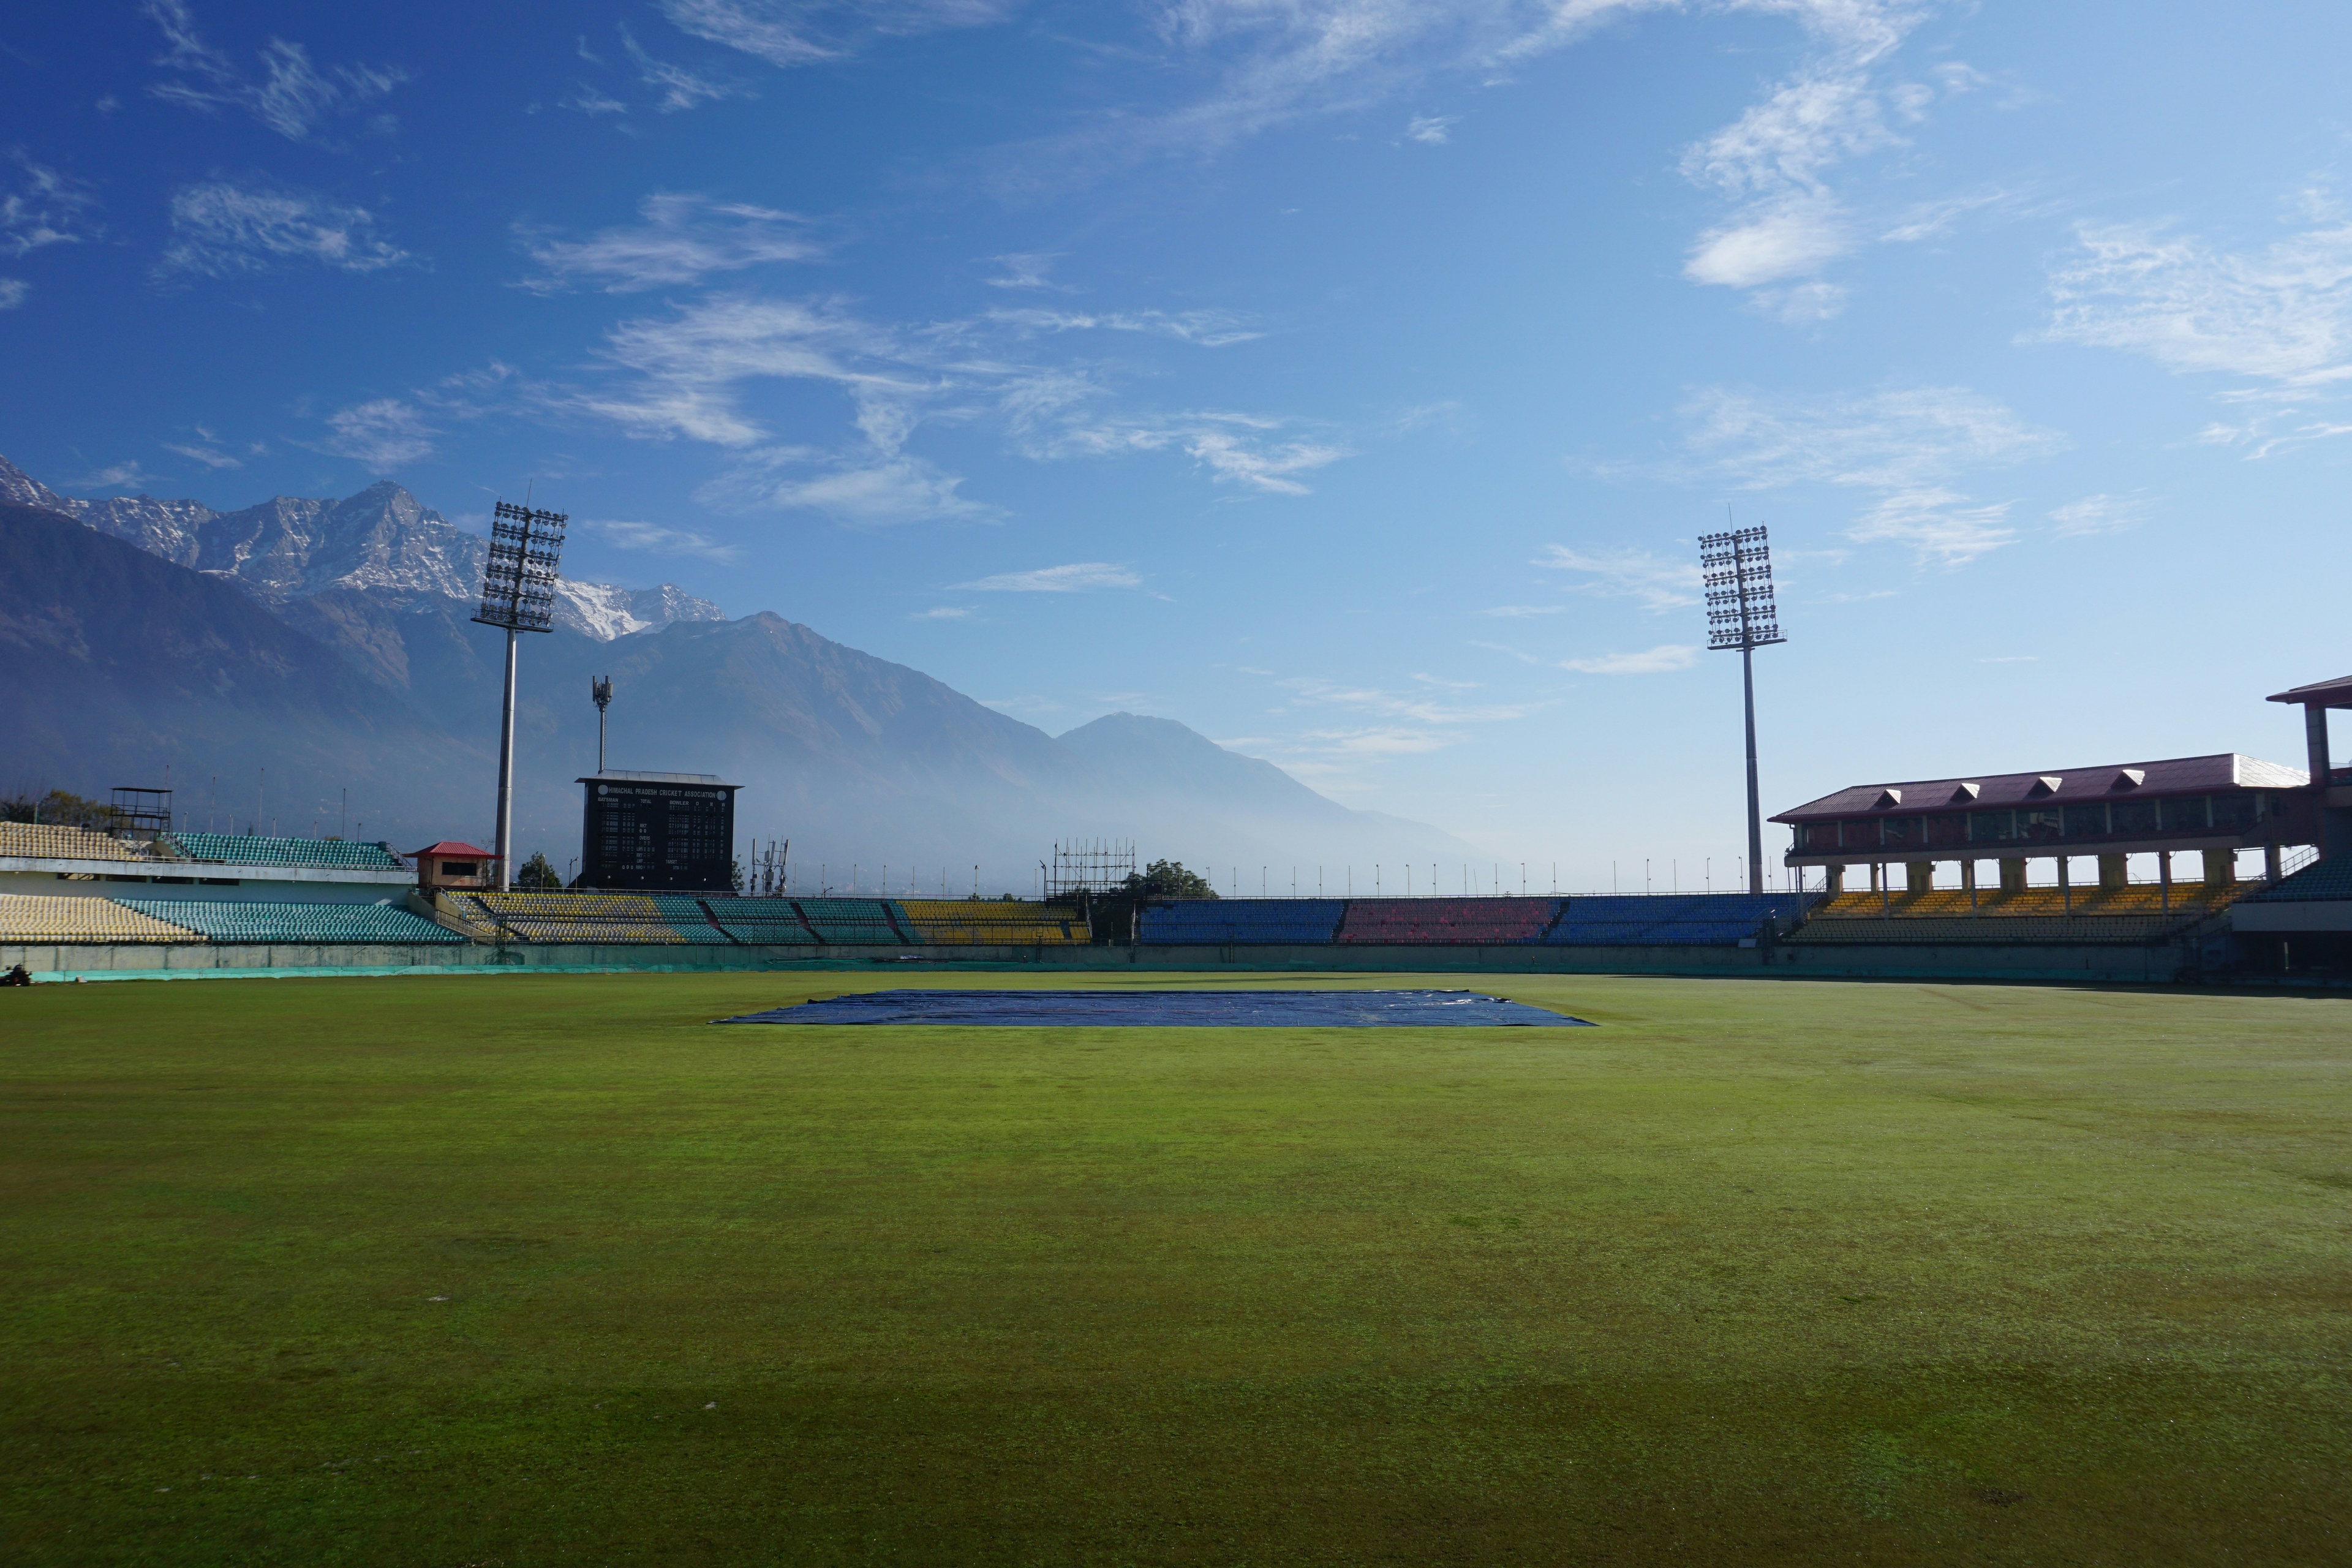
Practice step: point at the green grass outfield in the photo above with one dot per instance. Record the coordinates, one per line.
(528, 1270)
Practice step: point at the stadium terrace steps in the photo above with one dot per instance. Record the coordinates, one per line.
(989, 922)
(1447, 921)
(576, 917)
(257, 920)
(1236, 922)
(34, 918)
(47, 841)
(1670, 920)
(852, 922)
(1951, 931)
(2134, 914)
(2328, 880)
(760, 923)
(330, 854)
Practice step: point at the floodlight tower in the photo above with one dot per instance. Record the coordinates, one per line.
(600, 689)
(1740, 614)
(518, 595)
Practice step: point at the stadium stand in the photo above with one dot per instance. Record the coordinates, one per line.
(333, 853)
(46, 841)
(576, 917)
(32, 918)
(2327, 880)
(1484, 922)
(1224, 922)
(269, 921)
(861, 923)
(761, 923)
(2136, 914)
(685, 915)
(1688, 920)
(990, 923)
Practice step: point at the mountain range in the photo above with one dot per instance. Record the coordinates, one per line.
(303, 662)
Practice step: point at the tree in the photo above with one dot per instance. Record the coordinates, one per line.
(537, 876)
(60, 808)
(1169, 879)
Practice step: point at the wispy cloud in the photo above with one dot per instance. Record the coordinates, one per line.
(1659, 660)
(2102, 514)
(1078, 577)
(40, 206)
(115, 476)
(206, 450)
(681, 87)
(804, 32)
(945, 613)
(1026, 270)
(658, 539)
(382, 433)
(1423, 707)
(1659, 582)
(222, 228)
(1514, 611)
(13, 291)
(685, 238)
(1937, 524)
(1431, 130)
(863, 488)
(1243, 449)
(294, 97)
(1210, 329)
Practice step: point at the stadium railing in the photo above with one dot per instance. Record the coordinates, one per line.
(331, 854)
(38, 917)
(260, 921)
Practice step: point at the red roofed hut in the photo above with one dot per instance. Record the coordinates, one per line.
(452, 864)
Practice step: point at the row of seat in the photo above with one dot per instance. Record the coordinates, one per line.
(684, 918)
(36, 917)
(47, 841)
(251, 849)
(1599, 919)
(2138, 898)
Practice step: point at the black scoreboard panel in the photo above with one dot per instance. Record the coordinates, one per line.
(640, 833)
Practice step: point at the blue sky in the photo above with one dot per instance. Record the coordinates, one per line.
(1348, 380)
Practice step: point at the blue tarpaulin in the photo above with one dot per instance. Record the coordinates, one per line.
(1171, 1010)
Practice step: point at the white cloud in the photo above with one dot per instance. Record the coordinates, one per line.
(1660, 583)
(944, 612)
(13, 291)
(384, 434)
(1078, 577)
(1431, 130)
(117, 477)
(1026, 270)
(1518, 610)
(592, 102)
(1235, 447)
(1790, 237)
(40, 206)
(685, 238)
(1659, 660)
(2101, 514)
(1210, 329)
(222, 229)
(681, 89)
(209, 453)
(2281, 314)
(296, 98)
(865, 490)
(1421, 707)
(658, 539)
(1895, 439)
(802, 32)
(1936, 524)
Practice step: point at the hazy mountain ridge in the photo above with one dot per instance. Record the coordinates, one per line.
(380, 541)
(315, 643)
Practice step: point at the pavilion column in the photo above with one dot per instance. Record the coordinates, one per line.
(2271, 862)
(2220, 867)
(2013, 874)
(1834, 879)
(1918, 876)
(2065, 885)
(2164, 879)
(1968, 880)
(2113, 872)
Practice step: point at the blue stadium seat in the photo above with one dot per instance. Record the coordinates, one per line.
(265, 921)
(1225, 922)
(247, 850)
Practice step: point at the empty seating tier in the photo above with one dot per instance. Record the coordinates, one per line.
(333, 853)
(855, 922)
(2328, 880)
(1239, 923)
(989, 922)
(34, 918)
(2137, 913)
(268, 922)
(1671, 920)
(47, 841)
(760, 923)
(578, 917)
(1481, 921)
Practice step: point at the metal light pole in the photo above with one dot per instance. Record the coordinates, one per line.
(519, 595)
(1740, 615)
(601, 689)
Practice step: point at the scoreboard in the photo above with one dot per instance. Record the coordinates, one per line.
(659, 832)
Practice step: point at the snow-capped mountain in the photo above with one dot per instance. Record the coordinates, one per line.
(380, 541)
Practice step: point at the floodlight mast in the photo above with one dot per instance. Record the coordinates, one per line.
(599, 691)
(517, 594)
(1740, 615)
